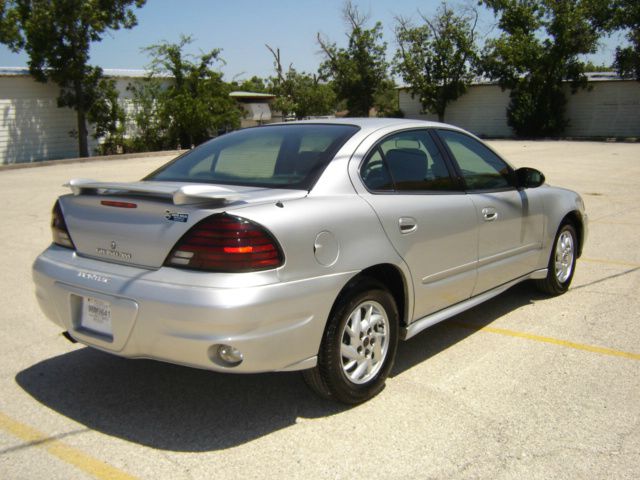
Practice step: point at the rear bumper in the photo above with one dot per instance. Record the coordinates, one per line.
(276, 326)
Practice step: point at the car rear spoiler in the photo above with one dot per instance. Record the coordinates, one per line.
(179, 194)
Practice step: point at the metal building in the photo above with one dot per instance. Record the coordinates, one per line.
(610, 107)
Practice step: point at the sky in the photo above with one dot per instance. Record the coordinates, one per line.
(241, 28)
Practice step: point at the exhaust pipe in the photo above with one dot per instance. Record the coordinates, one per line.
(68, 336)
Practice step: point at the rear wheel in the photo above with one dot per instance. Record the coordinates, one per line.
(562, 263)
(358, 347)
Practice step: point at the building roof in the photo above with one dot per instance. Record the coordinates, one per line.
(13, 71)
(108, 72)
(591, 77)
(128, 73)
(603, 76)
(247, 95)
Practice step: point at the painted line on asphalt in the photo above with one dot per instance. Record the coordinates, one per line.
(86, 463)
(554, 341)
(610, 262)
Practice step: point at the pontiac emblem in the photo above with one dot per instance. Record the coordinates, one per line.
(113, 245)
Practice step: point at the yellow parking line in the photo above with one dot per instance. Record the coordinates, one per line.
(81, 460)
(554, 341)
(610, 262)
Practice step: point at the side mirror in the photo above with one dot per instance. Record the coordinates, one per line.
(529, 177)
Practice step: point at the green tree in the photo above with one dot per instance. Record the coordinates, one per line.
(358, 71)
(9, 26)
(299, 93)
(196, 104)
(540, 49)
(148, 132)
(589, 66)
(57, 35)
(436, 59)
(108, 118)
(623, 15)
(254, 84)
(386, 100)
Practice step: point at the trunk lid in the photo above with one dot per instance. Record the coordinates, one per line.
(139, 223)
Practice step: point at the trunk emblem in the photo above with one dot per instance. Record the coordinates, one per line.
(112, 252)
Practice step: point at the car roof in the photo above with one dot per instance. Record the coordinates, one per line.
(371, 124)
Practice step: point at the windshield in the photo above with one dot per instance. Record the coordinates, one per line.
(276, 156)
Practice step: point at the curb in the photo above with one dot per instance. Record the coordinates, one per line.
(122, 156)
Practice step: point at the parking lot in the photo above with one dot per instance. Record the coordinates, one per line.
(523, 386)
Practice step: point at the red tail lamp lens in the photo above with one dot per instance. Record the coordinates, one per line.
(226, 243)
(59, 228)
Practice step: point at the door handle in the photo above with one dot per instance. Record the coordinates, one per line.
(407, 225)
(489, 214)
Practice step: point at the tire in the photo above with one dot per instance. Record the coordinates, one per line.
(355, 355)
(562, 262)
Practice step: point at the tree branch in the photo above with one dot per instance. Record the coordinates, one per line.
(277, 64)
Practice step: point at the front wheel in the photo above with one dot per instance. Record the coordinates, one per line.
(358, 346)
(562, 263)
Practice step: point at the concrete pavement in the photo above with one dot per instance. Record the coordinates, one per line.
(523, 386)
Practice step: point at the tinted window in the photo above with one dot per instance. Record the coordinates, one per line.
(481, 168)
(406, 161)
(280, 156)
(375, 173)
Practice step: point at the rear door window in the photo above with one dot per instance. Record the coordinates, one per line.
(407, 162)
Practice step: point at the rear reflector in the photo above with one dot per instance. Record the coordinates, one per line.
(109, 203)
(225, 243)
(59, 228)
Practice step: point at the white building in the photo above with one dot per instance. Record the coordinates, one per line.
(256, 108)
(32, 126)
(609, 108)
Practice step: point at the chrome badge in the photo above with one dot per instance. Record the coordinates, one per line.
(94, 276)
(112, 252)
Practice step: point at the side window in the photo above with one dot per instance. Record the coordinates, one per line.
(406, 161)
(375, 174)
(481, 168)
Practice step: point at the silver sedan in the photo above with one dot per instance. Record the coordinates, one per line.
(312, 246)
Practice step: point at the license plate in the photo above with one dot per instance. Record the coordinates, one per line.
(96, 316)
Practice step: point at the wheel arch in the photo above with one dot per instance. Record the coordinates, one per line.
(392, 278)
(575, 218)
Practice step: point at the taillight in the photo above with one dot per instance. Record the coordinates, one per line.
(225, 243)
(59, 228)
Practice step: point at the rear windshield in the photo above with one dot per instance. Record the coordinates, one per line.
(277, 156)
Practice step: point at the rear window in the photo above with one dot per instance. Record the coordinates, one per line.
(277, 156)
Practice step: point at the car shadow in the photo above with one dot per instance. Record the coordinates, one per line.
(175, 408)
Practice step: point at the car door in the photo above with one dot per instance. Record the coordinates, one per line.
(510, 220)
(426, 215)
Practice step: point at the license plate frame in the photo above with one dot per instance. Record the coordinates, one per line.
(96, 316)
